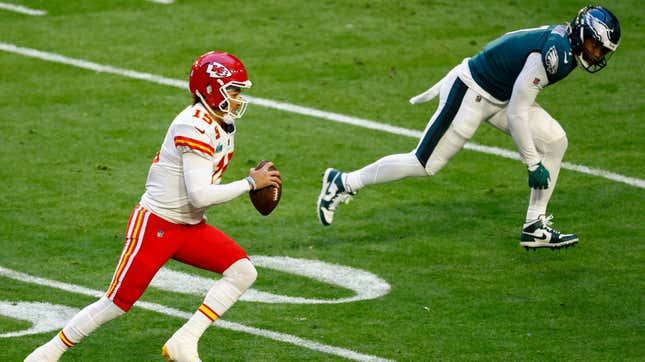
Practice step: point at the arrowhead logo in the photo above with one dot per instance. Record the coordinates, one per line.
(218, 70)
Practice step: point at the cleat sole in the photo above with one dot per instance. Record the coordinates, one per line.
(537, 245)
(165, 354)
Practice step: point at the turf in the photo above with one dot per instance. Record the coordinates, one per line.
(76, 146)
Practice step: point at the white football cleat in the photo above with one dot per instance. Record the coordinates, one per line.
(39, 355)
(333, 192)
(180, 349)
(540, 234)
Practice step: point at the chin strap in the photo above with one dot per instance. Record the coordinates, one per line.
(581, 62)
(227, 119)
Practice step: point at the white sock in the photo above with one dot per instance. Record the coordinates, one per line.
(81, 325)
(51, 350)
(533, 213)
(387, 169)
(226, 291)
(552, 159)
(90, 318)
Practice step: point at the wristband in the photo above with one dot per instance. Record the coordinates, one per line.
(251, 182)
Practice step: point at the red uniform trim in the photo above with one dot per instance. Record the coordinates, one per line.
(181, 141)
(65, 340)
(208, 312)
(134, 225)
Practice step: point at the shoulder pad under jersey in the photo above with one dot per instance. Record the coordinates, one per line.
(557, 56)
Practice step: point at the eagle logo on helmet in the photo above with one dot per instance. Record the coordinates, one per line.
(601, 32)
(218, 70)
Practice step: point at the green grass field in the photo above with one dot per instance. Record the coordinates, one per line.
(76, 145)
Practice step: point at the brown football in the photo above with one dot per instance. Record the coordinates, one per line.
(266, 199)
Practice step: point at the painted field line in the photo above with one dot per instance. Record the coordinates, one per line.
(159, 308)
(292, 108)
(22, 9)
(165, 2)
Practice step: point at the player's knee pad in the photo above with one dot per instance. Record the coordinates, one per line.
(465, 128)
(563, 143)
(90, 318)
(241, 274)
(104, 310)
(556, 148)
(448, 146)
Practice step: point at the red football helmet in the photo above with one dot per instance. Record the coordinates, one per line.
(211, 75)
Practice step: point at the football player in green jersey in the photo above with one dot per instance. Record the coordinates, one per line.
(498, 85)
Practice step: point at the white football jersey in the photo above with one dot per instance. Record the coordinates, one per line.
(193, 130)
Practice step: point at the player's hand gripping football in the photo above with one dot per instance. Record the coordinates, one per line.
(264, 177)
(268, 190)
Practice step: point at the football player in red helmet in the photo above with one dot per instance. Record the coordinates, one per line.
(216, 80)
(169, 223)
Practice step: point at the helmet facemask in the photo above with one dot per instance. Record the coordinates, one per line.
(591, 63)
(230, 114)
(226, 105)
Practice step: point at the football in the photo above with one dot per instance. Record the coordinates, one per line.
(266, 199)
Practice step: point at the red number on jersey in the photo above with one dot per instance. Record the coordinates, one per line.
(222, 165)
(203, 116)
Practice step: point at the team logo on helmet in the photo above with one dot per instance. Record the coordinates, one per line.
(551, 59)
(601, 32)
(217, 70)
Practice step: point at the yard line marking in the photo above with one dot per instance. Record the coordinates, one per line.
(306, 111)
(57, 58)
(154, 307)
(22, 9)
(44, 317)
(165, 2)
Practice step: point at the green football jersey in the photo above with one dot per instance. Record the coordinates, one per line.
(496, 67)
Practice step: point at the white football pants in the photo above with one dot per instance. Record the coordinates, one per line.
(460, 112)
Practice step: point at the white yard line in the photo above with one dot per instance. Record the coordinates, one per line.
(22, 9)
(159, 308)
(287, 107)
(165, 2)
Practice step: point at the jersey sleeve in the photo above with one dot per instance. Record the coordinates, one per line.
(188, 138)
(200, 191)
(526, 88)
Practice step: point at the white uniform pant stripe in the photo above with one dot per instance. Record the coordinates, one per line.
(139, 242)
(128, 240)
